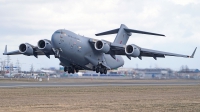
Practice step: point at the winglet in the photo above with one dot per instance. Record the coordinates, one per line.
(192, 56)
(5, 51)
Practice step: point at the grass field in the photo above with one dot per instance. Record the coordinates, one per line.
(91, 80)
(109, 98)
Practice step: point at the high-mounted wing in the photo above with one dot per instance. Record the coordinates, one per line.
(130, 51)
(35, 52)
(44, 48)
(119, 47)
(155, 54)
(11, 53)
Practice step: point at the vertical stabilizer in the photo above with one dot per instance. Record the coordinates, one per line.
(122, 36)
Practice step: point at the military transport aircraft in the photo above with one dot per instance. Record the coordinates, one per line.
(77, 52)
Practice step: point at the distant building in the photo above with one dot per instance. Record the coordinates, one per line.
(189, 74)
(153, 73)
(189, 71)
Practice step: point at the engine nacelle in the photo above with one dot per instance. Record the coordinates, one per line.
(102, 46)
(26, 49)
(45, 45)
(132, 50)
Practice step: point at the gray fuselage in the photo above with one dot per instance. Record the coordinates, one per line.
(76, 50)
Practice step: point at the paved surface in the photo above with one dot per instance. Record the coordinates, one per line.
(61, 84)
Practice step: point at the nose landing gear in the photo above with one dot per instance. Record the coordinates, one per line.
(71, 69)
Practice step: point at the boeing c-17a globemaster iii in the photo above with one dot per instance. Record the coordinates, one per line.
(77, 52)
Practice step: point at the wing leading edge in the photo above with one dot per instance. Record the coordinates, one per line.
(155, 53)
(36, 52)
(118, 49)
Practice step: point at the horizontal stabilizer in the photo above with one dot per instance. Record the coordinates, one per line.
(141, 32)
(108, 32)
(123, 34)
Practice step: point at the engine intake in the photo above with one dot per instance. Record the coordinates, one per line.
(45, 45)
(26, 49)
(102, 46)
(132, 50)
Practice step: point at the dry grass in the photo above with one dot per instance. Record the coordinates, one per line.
(111, 98)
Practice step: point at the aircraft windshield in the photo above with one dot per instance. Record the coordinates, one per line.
(63, 32)
(60, 31)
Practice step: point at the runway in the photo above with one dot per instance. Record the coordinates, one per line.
(88, 84)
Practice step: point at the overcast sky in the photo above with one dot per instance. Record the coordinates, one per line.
(29, 21)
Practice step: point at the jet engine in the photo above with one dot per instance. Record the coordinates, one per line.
(102, 46)
(132, 50)
(26, 49)
(45, 45)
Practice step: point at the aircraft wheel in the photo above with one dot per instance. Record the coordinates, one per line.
(105, 71)
(76, 70)
(97, 70)
(101, 70)
(93, 68)
(72, 70)
(65, 69)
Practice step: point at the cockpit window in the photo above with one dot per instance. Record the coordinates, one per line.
(62, 32)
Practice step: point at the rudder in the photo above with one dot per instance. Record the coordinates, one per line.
(122, 36)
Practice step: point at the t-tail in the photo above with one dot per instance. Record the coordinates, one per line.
(123, 34)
